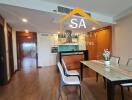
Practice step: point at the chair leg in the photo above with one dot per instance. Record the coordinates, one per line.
(67, 97)
(97, 75)
(128, 88)
(122, 92)
(80, 92)
(104, 82)
(60, 86)
(59, 93)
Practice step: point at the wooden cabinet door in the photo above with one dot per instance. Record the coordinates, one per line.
(104, 41)
(97, 41)
(91, 45)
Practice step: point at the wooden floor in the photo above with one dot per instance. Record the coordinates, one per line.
(28, 63)
(42, 84)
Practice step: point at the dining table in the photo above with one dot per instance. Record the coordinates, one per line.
(115, 74)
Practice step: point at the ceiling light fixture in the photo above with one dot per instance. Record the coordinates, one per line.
(24, 20)
(93, 28)
(58, 32)
(70, 26)
(26, 31)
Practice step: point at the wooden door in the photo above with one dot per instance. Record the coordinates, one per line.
(3, 69)
(29, 39)
(10, 49)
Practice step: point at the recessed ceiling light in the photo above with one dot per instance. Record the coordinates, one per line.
(70, 26)
(24, 20)
(58, 32)
(93, 28)
(26, 31)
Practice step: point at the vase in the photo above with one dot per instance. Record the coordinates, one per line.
(107, 63)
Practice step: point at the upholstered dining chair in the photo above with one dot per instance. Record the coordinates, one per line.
(129, 63)
(69, 72)
(113, 60)
(67, 80)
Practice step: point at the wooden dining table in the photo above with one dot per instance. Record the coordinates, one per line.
(113, 73)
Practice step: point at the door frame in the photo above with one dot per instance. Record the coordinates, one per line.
(10, 53)
(18, 48)
(3, 69)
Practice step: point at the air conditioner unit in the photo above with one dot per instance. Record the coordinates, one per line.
(65, 10)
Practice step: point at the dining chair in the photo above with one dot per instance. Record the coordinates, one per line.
(69, 72)
(113, 60)
(67, 80)
(129, 63)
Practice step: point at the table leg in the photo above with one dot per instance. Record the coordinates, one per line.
(81, 71)
(110, 90)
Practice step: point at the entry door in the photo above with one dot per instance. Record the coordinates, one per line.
(3, 70)
(27, 50)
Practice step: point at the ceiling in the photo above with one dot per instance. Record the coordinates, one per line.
(39, 21)
(106, 7)
(42, 21)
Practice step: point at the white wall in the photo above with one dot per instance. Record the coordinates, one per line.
(45, 57)
(122, 39)
(82, 42)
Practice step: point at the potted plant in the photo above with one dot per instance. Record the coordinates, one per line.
(106, 57)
